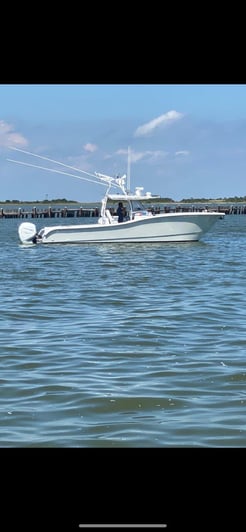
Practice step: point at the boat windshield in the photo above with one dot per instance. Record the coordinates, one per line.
(132, 207)
(137, 205)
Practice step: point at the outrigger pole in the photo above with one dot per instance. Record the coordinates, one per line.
(102, 178)
(128, 185)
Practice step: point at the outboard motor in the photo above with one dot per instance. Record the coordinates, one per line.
(27, 233)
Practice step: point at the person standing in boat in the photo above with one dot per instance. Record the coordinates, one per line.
(120, 212)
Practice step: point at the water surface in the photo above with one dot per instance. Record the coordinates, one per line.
(125, 345)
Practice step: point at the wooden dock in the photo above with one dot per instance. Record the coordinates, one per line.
(50, 212)
(80, 212)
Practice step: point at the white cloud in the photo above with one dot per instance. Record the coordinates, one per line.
(148, 155)
(149, 127)
(182, 152)
(90, 147)
(8, 137)
(134, 156)
(80, 162)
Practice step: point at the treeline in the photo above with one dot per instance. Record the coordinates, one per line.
(58, 200)
(235, 199)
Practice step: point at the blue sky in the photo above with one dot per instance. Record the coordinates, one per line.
(186, 141)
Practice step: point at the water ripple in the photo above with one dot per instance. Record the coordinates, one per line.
(124, 345)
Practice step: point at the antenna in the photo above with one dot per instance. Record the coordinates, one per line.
(128, 169)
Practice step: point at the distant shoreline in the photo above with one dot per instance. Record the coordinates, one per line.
(151, 201)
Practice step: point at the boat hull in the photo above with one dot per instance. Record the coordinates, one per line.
(174, 227)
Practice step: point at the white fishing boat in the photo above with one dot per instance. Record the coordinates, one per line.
(139, 223)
